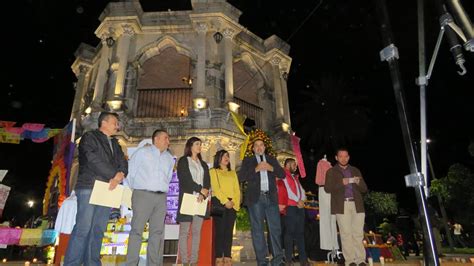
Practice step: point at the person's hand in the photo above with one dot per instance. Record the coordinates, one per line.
(345, 180)
(119, 176)
(205, 191)
(300, 204)
(113, 183)
(281, 207)
(229, 204)
(264, 166)
(267, 166)
(357, 179)
(200, 198)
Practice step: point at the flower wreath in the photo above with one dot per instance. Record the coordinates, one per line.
(259, 134)
(58, 169)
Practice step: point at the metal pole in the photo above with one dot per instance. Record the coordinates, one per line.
(422, 83)
(415, 179)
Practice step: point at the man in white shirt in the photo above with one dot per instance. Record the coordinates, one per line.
(458, 235)
(150, 172)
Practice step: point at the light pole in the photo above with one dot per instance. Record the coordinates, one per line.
(31, 204)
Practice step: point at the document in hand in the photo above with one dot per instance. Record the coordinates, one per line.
(190, 205)
(101, 195)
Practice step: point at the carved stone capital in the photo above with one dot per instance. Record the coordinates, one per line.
(275, 61)
(83, 69)
(106, 34)
(201, 27)
(228, 33)
(128, 30)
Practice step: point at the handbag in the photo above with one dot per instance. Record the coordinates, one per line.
(217, 208)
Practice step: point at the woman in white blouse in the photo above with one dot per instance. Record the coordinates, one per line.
(193, 175)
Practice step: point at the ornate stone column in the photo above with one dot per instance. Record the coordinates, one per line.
(201, 28)
(280, 113)
(229, 74)
(101, 74)
(284, 93)
(122, 53)
(81, 74)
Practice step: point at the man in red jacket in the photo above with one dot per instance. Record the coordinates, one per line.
(294, 220)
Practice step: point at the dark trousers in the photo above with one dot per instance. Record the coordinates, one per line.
(223, 227)
(283, 232)
(295, 233)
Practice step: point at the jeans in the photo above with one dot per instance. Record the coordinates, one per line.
(86, 237)
(265, 209)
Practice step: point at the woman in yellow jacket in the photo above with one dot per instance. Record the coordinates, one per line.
(225, 186)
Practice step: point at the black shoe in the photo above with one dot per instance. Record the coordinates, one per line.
(362, 264)
(352, 264)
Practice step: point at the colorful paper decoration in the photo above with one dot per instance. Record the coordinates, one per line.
(31, 237)
(10, 236)
(36, 132)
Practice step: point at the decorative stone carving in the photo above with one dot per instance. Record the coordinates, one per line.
(201, 27)
(275, 61)
(128, 30)
(228, 33)
(107, 34)
(83, 69)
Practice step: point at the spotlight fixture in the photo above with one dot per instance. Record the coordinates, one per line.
(199, 103)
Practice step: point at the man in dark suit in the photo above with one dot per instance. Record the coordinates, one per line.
(346, 185)
(261, 198)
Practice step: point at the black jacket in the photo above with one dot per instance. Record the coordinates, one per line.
(247, 174)
(96, 161)
(187, 184)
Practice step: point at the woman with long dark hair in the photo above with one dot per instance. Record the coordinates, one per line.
(225, 187)
(193, 175)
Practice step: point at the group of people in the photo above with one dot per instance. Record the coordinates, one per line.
(149, 171)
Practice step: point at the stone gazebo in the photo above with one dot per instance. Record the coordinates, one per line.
(183, 71)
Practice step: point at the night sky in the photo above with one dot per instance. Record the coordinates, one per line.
(336, 77)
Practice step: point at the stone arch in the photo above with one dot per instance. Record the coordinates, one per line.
(157, 47)
(249, 84)
(254, 67)
(248, 79)
(164, 68)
